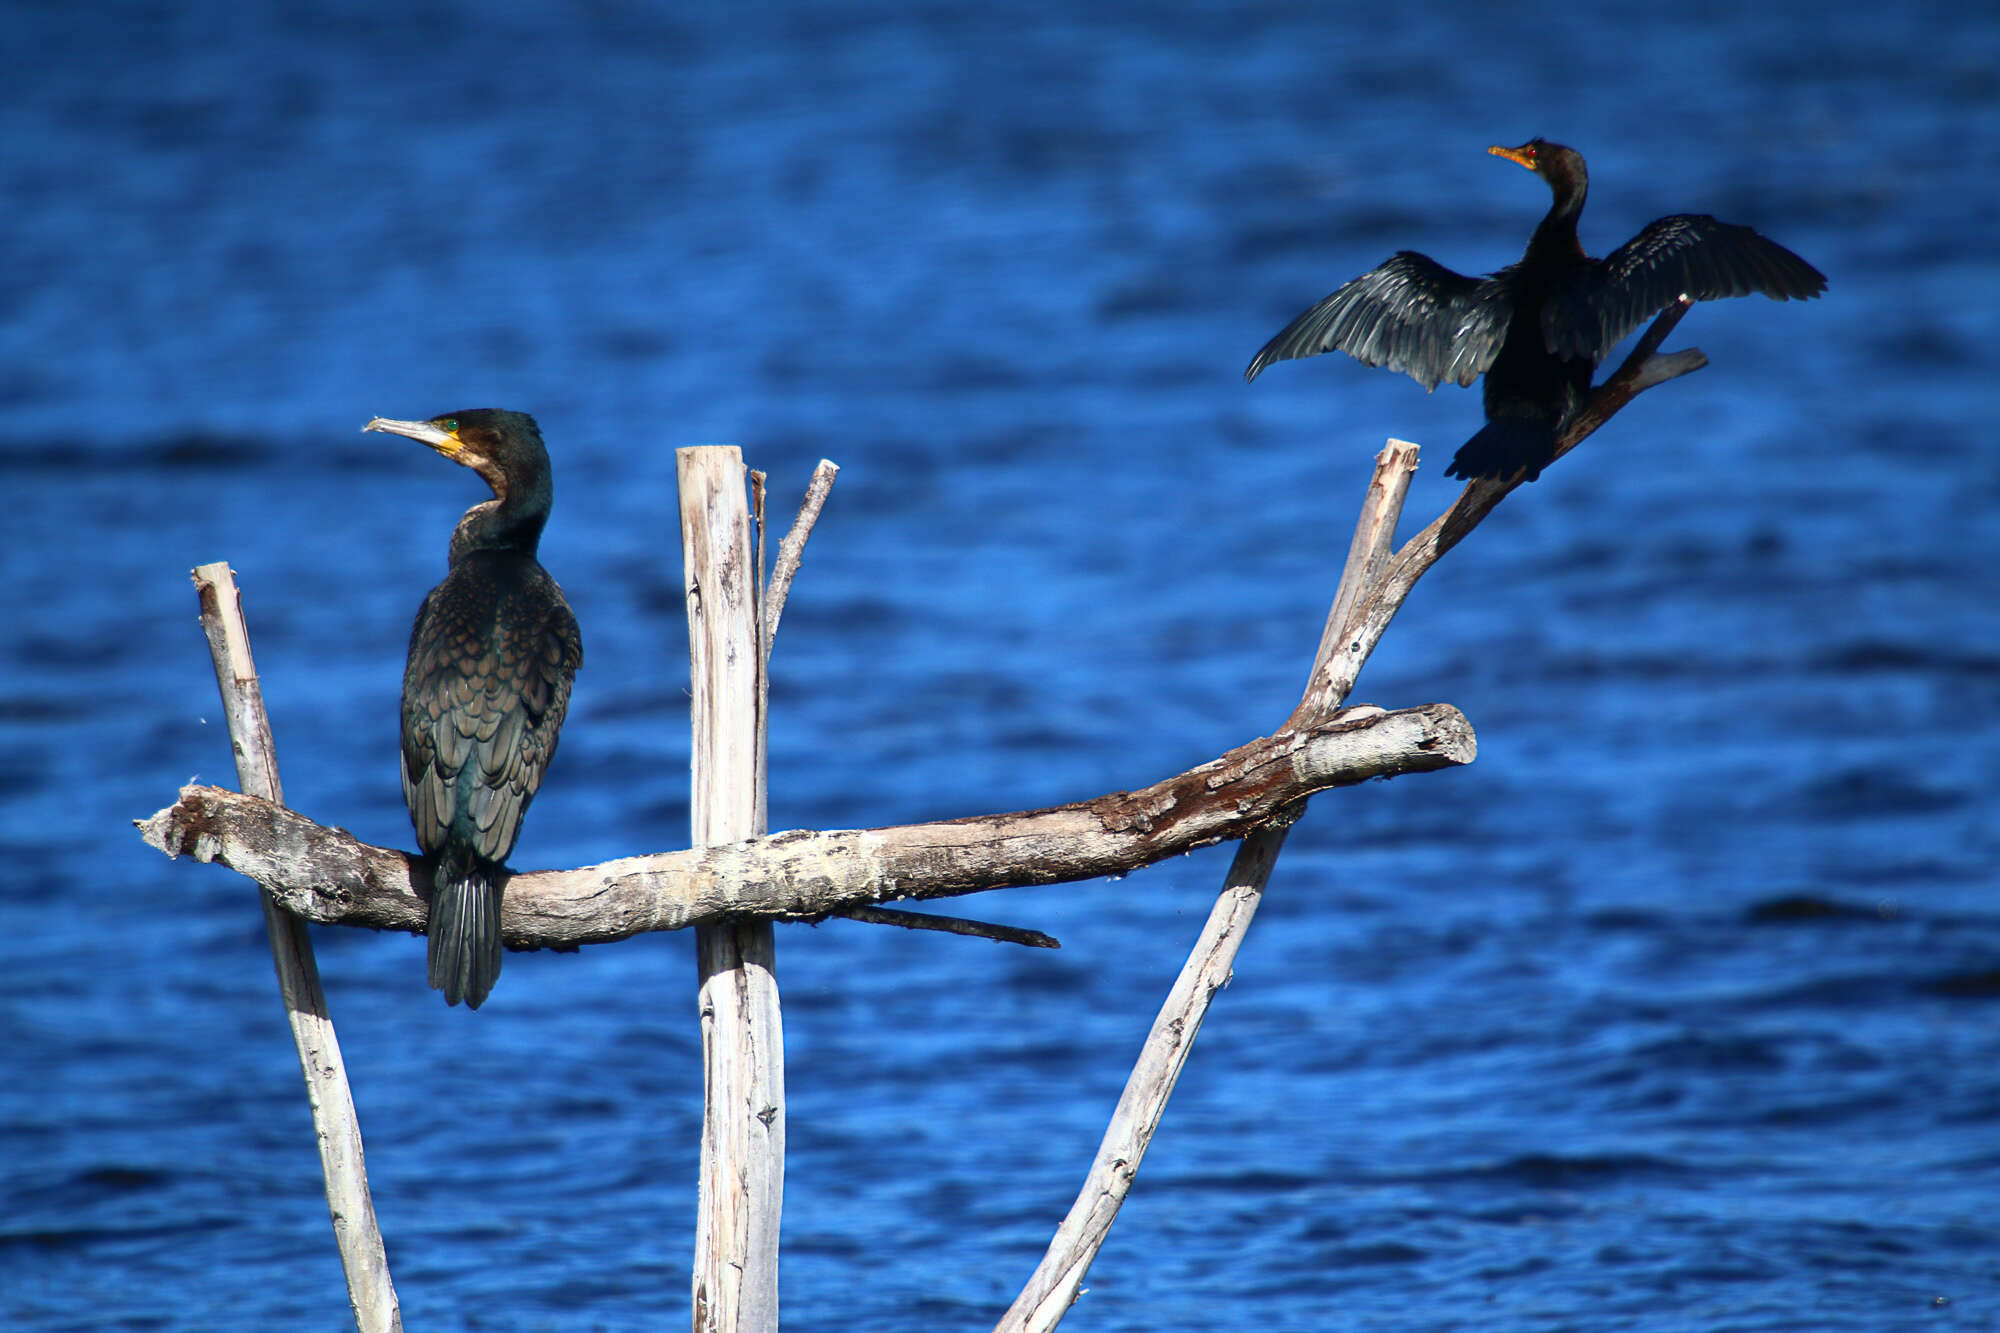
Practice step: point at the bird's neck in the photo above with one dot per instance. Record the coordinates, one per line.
(511, 521)
(1555, 237)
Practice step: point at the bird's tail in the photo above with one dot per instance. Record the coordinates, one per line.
(464, 930)
(1502, 448)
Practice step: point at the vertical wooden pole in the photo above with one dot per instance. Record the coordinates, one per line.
(338, 1129)
(742, 1032)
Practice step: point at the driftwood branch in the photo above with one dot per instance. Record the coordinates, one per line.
(330, 876)
(1252, 793)
(1372, 589)
(335, 1124)
(1334, 676)
(1058, 1279)
(791, 551)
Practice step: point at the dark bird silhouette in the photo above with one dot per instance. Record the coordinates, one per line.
(1538, 328)
(492, 657)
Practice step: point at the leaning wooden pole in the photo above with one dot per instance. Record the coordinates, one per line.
(355, 1232)
(1372, 589)
(742, 1034)
(1057, 1280)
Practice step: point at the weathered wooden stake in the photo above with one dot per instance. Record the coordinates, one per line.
(338, 1129)
(742, 1032)
(1372, 589)
(1058, 1279)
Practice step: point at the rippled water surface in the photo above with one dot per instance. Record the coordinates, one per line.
(1674, 1011)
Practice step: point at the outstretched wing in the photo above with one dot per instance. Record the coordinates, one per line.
(484, 696)
(1689, 253)
(1410, 314)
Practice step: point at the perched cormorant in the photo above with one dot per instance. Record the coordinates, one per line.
(1537, 328)
(492, 656)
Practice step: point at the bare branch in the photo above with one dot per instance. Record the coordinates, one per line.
(1053, 1287)
(328, 875)
(761, 817)
(1639, 371)
(1374, 539)
(355, 1232)
(791, 551)
(1360, 580)
(1373, 587)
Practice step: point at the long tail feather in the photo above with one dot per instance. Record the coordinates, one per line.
(464, 948)
(1502, 448)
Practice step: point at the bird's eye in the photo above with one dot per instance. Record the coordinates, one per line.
(450, 424)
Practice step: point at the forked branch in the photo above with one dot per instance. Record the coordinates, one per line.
(1334, 675)
(1372, 589)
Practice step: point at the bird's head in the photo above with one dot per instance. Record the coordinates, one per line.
(496, 444)
(1559, 165)
(477, 437)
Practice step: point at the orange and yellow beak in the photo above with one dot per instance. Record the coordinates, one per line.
(433, 433)
(1525, 155)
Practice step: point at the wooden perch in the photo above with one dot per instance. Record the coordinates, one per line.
(731, 889)
(327, 875)
(356, 1233)
(1057, 1280)
(1372, 589)
(735, 1285)
(1335, 672)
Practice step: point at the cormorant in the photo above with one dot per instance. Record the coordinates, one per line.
(1537, 328)
(492, 656)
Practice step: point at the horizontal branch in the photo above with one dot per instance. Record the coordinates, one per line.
(328, 875)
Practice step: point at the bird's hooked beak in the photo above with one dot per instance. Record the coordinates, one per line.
(1524, 155)
(436, 436)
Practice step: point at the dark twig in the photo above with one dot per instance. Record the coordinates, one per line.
(951, 925)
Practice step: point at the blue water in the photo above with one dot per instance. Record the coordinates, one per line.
(1680, 1009)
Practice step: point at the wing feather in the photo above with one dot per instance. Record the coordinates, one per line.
(1688, 253)
(1410, 314)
